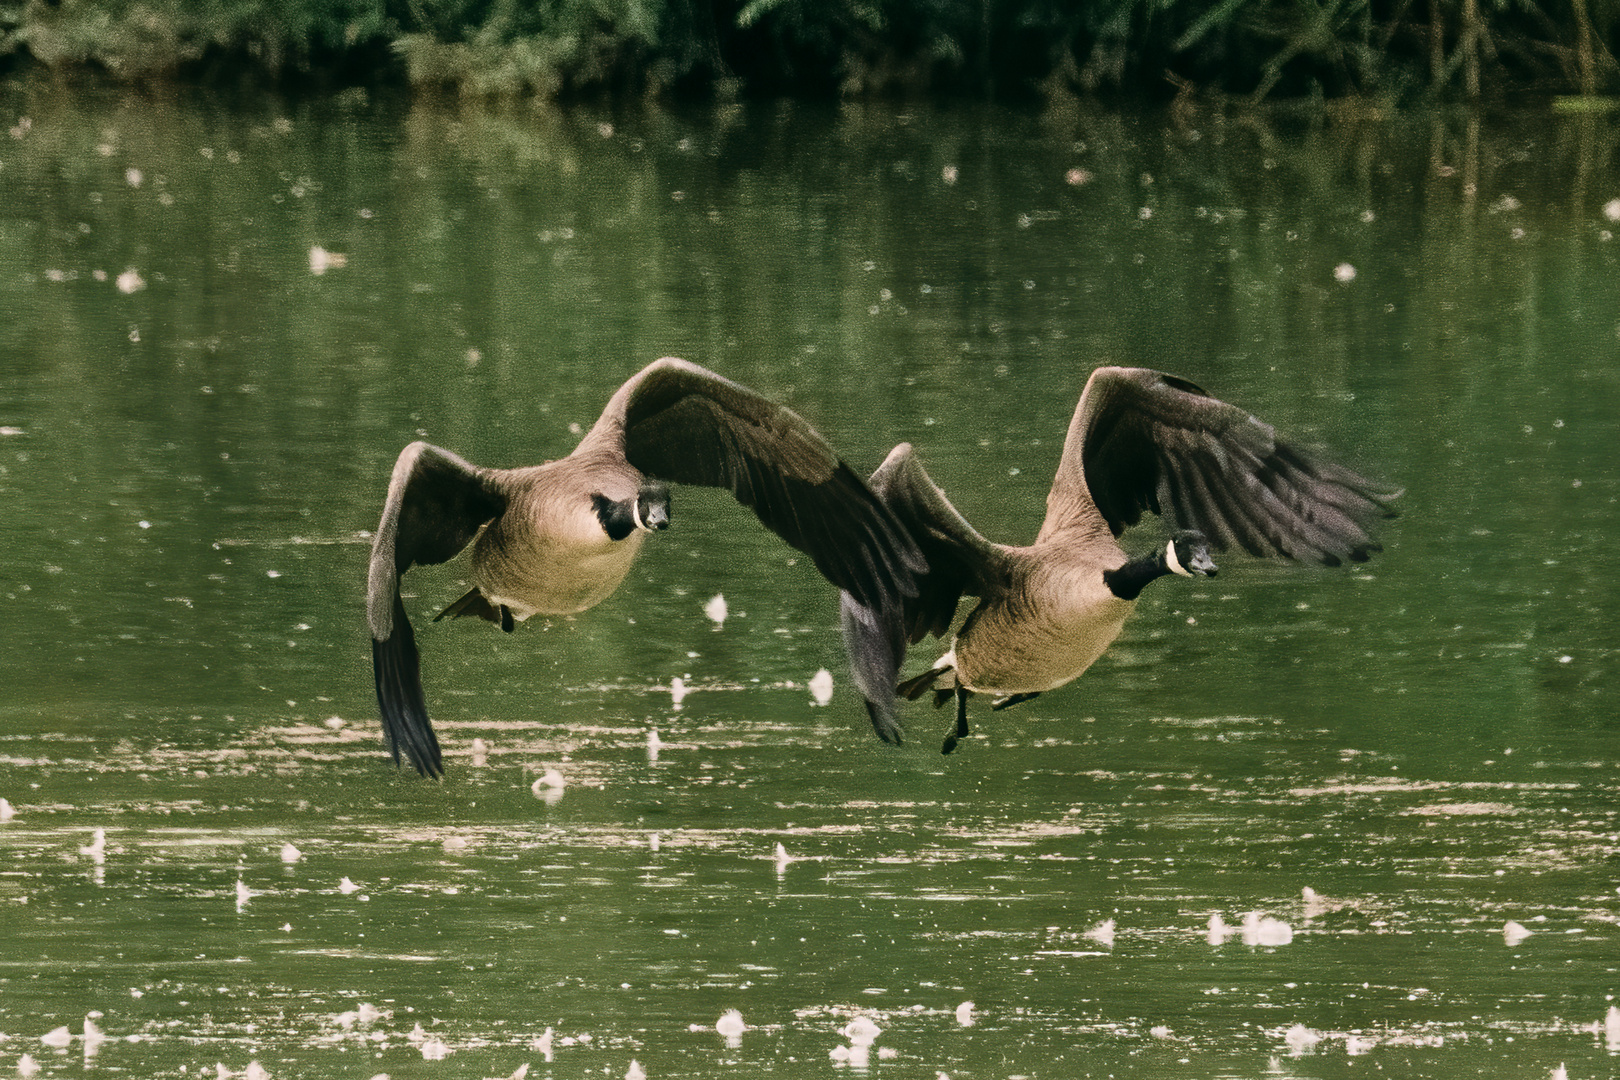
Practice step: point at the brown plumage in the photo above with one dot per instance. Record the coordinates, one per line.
(1140, 441)
(558, 538)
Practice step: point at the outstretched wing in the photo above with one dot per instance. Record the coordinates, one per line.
(1142, 440)
(436, 504)
(680, 422)
(961, 562)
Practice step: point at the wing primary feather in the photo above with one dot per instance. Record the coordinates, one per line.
(397, 666)
(682, 423)
(435, 506)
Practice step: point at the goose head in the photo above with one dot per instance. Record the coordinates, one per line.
(652, 506)
(648, 511)
(1188, 555)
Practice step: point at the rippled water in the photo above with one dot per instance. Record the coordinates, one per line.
(1394, 764)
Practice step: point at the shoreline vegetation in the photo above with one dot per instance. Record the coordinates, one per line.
(1391, 52)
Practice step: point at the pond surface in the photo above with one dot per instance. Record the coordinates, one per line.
(224, 320)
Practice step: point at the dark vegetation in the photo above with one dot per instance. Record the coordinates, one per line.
(1394, 51)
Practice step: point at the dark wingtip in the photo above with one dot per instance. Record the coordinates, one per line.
(876, 647)
(406, 726)
(885, 723)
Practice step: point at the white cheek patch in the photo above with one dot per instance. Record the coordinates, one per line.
(1173, 562)
(635, 515)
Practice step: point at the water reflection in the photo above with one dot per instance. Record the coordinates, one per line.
(1395, 766)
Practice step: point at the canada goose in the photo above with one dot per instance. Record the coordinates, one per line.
(557, 538)
(1140, 440)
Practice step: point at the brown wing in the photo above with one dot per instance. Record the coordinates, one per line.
(961, 562)
(436, 504)
(1142, 440)
(677, 421)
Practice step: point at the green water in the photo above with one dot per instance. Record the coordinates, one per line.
(196, 430)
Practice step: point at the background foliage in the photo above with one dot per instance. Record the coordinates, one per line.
(1256, 49)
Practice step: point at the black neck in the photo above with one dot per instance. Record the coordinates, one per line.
(1129, 580)
(618, 518)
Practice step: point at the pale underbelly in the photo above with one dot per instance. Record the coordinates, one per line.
(551, 581)
(1031, 656)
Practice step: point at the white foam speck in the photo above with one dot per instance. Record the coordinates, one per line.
(821, 686)
(321, 260)
(1300, 1039)
(1265, 930)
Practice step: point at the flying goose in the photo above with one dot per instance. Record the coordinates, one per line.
(1140, 440)
(558, 538)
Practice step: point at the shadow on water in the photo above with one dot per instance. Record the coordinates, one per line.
(1295, 824)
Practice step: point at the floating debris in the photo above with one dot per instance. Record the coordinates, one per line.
(7, 811)
(436, 1049)
(1344, 273)
(254, 1071)
(549, 786)
(243, 894)
(861, 1031)
(731, 1027)
(1102, 934)
(346, 887)
(97, 848)
(782, 859)
(27, 1066)
(715, 609)
(290, 854)
(654, 744)
(1218, 930)
(542, 1045)
(635, 1071)
(678, 690)
(1514, 933)
(321, 260)
(1301, 1039)
(1265, 931)
(821, 686)
(57, 1038)
(480, 753)
(130, 281)
(964, 1014)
